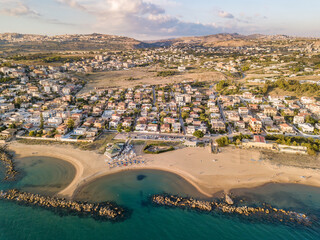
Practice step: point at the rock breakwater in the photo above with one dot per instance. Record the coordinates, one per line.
(6, 159)
(100, 211)
(266, 212)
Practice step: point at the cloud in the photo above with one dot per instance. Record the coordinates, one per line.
(17, 8)
(72, 3)
(225, 14)
(20, 9)
(138, 18)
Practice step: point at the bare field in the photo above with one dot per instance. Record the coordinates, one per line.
(143, 76)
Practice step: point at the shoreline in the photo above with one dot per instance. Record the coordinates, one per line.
(188, 180)
(234, 169)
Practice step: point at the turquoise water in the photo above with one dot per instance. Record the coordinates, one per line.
(147, 222)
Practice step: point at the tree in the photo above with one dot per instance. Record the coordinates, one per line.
(70, 123)
(198, 134)
(184, 115)
(18, 102)
(32, 133)
(41, 121)
(223, 141)
(311, 120)
(119, 128)
(311, 151)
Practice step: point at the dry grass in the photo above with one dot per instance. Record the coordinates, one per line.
(293, 160)
(144, 76)
(98, 145)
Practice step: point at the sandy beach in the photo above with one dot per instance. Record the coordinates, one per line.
(209, 173)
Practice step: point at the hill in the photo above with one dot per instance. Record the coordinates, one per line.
(15, 42)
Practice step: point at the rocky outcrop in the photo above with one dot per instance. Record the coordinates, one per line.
(99, 211)
(265, 212)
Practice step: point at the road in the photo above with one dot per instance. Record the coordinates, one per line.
(154, 95)
(181, 122)
(223, 117)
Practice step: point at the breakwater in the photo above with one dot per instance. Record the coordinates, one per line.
(266, 212)
(6, 159)
(99, 211)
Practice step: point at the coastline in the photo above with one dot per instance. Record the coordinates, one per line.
(208, 173)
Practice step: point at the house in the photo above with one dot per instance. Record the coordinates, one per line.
(257, 142)
(255, 125)
(243, 111)
(165, 128)
(246, 118)
(34, 120)
(169, 120)
(141, 127)
(92, 132)
(113, 124)
(218, 125)
(116, 117)
(176, 127)
(288, 112)
(285, 128)
(279, 120)
(211, 103)
(80, 131)
(127, 123)
(54, 121)
(214, 109)
(240, 124)
(132, 105)
(233, 116)
(306, 127)
(62, 129)
(99, 123)
(215, 115)
(298, 119)
(8, 133)
(267, 121)
(190, 129)
(152, 127)
(254, 107)
(270, 111)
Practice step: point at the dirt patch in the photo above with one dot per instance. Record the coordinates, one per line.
(144, 76)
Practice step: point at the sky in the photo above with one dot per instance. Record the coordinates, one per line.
(161, 19)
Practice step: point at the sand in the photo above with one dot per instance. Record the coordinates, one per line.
(209, 173)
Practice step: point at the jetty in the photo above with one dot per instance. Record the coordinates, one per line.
(266, 212)
(104, 211)
(6, 159)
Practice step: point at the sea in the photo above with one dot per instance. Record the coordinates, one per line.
(132, 189)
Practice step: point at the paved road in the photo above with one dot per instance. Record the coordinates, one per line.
(154, 95)
(181, 122)
(223, 117)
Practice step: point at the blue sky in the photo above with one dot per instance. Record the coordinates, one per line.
(155, 19)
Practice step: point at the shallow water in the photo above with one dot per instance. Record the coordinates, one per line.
(148, 222)
(45, 175)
